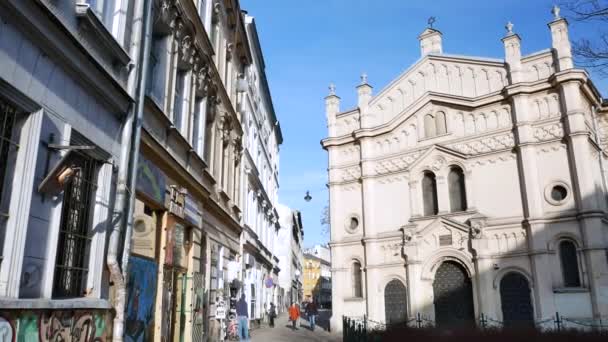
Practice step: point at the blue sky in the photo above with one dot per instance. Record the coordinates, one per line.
(308, 44)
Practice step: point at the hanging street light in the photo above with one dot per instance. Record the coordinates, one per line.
(307, 198)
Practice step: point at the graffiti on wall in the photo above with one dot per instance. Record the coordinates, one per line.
(141, 296)
(62, 326)
(53, 326)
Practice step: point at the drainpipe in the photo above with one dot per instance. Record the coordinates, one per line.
(128, 162)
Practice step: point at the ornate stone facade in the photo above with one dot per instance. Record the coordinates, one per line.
(470, 173)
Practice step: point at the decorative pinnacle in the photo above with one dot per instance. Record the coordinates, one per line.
(509, 28)
(363, 78)
(555, 10)
(332, 89)
(431, 21)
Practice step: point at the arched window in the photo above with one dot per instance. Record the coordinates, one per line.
(458, 197)
(440, 123)
(357, 285)
(429, 194)
(569, 261)
(430, 129)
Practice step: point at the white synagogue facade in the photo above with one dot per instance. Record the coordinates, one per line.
(471, 186)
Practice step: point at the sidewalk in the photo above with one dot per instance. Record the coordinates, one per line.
(283, 332)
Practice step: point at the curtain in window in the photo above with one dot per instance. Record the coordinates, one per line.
(429, 194)
(567, 255)
(458, 198)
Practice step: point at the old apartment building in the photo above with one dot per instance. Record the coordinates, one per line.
(124, 170)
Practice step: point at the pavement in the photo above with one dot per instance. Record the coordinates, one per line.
(283, 332)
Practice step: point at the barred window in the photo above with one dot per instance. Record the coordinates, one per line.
(8, 147)
(569, 261)
(429, 194)
(74, 241)
(357, 285)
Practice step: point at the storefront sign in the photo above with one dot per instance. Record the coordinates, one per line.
(150, 180)
(192, 211)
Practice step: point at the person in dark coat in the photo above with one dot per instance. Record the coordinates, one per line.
(311, 312)
(243, 318)
(272, 313)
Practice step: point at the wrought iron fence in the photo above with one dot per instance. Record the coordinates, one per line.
(363, 329)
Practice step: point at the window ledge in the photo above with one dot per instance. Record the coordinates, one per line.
(354, 299)
(570, 290)
(84, 12)
(43, 303)
(443, 214)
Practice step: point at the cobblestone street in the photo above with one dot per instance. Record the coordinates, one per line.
(283, 331)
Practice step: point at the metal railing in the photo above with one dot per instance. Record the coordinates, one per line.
(363, 329)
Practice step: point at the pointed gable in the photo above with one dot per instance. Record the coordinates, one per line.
(464, 77)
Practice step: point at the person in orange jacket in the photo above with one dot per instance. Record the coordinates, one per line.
(294, 314)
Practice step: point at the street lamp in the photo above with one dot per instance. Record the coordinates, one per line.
(307, 198)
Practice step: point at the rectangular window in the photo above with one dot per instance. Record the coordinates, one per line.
(178, 104)
(74, 239)
(198, 126)
(8, 147)
(201, 10)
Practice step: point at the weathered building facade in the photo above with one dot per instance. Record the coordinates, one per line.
(471, 186)
(66, 90)
(288, 244)
(262, 137)
(190, 176)
(123, 182)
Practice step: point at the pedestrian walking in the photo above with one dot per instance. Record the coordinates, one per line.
(272, 313)
(311, 312)
(294, 314)
(243, 318)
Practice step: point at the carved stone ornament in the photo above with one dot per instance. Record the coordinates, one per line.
(165, 13)
(477, 225)
(186, 51)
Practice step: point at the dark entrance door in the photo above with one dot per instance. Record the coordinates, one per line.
(453, 296)
(395, 302)
(515, 299)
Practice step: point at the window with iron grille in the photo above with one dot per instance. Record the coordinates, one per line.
(74, 239)
(8, 147)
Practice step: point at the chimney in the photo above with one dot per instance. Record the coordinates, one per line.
(512, 43)
(332, 108)
(561, 41)
(430, 42)
(364, 95)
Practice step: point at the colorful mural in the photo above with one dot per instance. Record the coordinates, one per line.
(58, 325)
(141, 296)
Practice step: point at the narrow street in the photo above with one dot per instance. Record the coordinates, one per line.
(284, 332)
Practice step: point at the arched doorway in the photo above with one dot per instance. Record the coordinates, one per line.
(453, 294)
(516, 302)
(395, 302)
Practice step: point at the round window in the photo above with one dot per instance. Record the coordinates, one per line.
(559, 193)
(352, 223)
